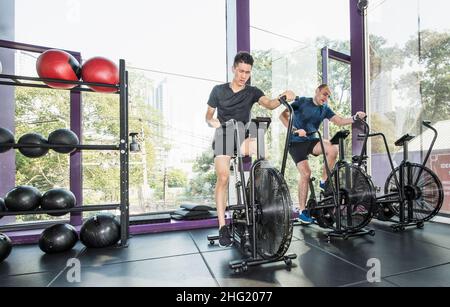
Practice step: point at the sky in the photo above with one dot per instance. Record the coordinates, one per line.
(302, 20)
(397, 20)
(173, 36)
(167, 35)
(162, 35)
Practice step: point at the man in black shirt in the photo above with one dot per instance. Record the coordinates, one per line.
(233, 100)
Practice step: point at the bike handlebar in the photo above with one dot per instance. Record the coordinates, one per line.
(427, 124)
(228, 122)
(283, 100)
(307, 133)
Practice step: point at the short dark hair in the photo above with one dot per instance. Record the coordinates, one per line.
(243, 57)
(324, 86)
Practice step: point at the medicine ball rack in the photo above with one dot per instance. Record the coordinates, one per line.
(123, 147)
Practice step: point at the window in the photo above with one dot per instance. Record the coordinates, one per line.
(175, 53)
(410, 82)
(286, 39)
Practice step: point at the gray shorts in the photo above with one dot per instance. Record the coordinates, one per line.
(224, 143)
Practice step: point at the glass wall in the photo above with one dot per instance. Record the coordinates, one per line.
(286, 40)
(410, 82)
(175, 53)
(339, 80)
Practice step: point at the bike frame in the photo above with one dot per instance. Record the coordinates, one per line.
(401, 182)
(336, 187)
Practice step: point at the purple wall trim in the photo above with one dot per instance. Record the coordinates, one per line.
(173, 226)
(7, 115)
(7, 102)
(357, 69)
(32, 236)
(76, 178)
(339, 56)
(76, 172)
(243, 25)
(325, 56)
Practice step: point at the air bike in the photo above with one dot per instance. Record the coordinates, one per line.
(413, 193)
(261, 220)
(347, 203)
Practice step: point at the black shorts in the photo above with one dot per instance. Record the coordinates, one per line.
(224, 143)
(300, 151)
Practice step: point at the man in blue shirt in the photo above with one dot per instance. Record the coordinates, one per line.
(308, 115)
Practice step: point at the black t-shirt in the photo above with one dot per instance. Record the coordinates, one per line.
(231, 105)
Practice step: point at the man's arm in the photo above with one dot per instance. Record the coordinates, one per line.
(340, 121)
(272, 104)
(267, 103)
(284, 117)
(212, 122)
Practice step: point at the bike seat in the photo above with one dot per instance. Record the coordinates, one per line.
(339, 135)
(260, 120)
(404, 139)
(355, 158)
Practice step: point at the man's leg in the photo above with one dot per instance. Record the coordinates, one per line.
(249, 147)
(331, 152)
(222, 165)
(303, 183)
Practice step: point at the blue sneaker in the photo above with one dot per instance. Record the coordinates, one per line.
(304, 218)
(322, 184)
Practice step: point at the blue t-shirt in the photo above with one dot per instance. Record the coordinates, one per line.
(308, 116)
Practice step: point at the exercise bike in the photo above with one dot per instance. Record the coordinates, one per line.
(261, 224)
(413, 193)
(347, 203)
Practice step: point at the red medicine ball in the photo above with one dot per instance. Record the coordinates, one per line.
(58, 64)
(100, 70)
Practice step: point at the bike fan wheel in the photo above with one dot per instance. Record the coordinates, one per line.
(356, 197)
(425, 192)
(273, 207)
